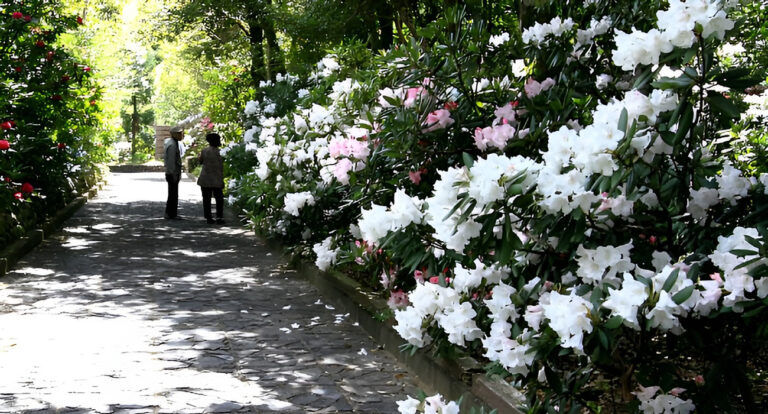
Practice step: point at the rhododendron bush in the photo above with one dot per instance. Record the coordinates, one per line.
(49, 116)
(570, 202)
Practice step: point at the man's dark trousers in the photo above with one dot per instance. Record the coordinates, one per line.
(172, 205)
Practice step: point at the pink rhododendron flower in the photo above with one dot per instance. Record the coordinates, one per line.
(415, 176)
(18, 196)
(398, 300)
(341, 170)
(495, 136)
(419, 276)
(533, 87)
(676, 391)
(4, 145)
(434, 279)
(6, 125)
(385, 280)
(411, 95)
(27, 188)
(439, 119)
(506, 112)
(17, 15)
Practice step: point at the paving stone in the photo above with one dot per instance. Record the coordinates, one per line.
(124, 312)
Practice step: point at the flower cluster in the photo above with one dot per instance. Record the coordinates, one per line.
(676, 28)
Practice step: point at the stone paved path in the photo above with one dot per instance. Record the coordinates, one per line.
(125, 312)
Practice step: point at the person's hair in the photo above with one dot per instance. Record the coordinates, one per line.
(175, 131)
(213, 139)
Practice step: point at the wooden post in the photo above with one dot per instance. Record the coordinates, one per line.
(161, 133)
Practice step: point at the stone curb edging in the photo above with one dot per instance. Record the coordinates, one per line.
(16, 250)
(463, 378)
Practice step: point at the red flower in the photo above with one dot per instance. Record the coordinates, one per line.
(451, 105)
(61, 145)
(27, 188)
(27, 18)
(79, 20)
(18, 196)
(87, 69)
(4, 145)
(6, 125)
(56, 97)
(17, 69)
(93, 102)
(49, 55)
(65, 78)
(17, 15)
(40, 43)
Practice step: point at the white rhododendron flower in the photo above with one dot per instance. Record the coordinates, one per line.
(539, 32)
(603, 263)
(663, 403)
(377, 221)
(466, 279)
(499, 40)
(408, 406)
(293, 202)
(458, 322)
(625, 302)
(732, 186)
(410, 326)
(675, 29)
(567, 315)
(326, 256)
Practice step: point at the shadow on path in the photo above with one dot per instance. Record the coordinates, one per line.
(127, 312)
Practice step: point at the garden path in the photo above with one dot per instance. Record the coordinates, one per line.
(125, 312)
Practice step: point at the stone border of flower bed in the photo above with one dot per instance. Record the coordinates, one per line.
(16, 250)
(463, 378)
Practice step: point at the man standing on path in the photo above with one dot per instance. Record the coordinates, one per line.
(173, 172)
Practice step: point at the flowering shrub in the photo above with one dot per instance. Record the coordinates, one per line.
(49, 116)
(577, 217)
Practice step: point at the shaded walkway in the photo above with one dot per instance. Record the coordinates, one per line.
(127, 312)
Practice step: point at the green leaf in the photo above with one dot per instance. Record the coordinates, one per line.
(671, 279)
(753, 241)
(673, 83)
(744, 252)
(604, 342)
(683, 295)
(737, 79)
(467, 159)
(508, 241)
(684, 126)
(614, 322)
(643, 78)
(623, 120)
(721, 104)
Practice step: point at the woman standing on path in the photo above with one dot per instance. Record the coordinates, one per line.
(211, 180)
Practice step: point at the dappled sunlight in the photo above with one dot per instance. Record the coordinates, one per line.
(174, 315)
(121, 354)
(76, 243)
(36, 271)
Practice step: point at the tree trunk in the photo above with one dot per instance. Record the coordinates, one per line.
(385, 16)
(258, 72)
(275, 60)
(134, 125)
